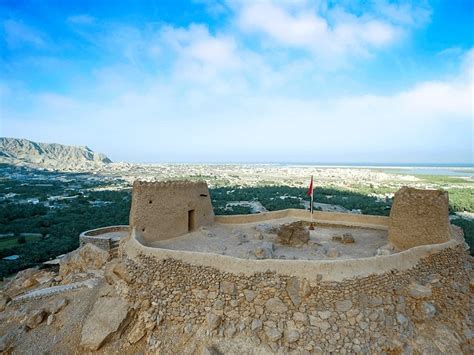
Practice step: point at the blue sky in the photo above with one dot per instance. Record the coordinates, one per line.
(242, 81)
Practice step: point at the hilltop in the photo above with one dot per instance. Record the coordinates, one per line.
(49, 155)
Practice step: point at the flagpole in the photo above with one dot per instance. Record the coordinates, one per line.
(311, 226)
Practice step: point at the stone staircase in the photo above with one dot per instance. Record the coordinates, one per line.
(114, 246)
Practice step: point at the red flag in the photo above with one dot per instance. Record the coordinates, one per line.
(310, 190)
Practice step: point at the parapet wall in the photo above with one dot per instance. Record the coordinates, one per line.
(163, 210)
(327, 270)
(419, 217)
(295, 306)
(333, 218)
(101, 237)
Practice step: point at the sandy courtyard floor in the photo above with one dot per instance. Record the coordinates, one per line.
(242, 240)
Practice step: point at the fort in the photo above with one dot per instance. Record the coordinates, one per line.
(229, 282)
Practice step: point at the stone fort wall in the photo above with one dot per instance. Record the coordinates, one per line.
(100, 237)
(163, 210)
(328, 270)
(277, 312)
(397, 303)
(419, 217)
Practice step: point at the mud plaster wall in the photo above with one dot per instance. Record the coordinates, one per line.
(97, 238)
(327, 270)
(348, 219)
(160, 210)
(284, 313)
(418, 217)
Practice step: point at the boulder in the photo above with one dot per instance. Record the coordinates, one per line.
(384, 250)
(265, 251)
(258, 236)
(293, 234)
(293, 290)
(346, 238)
(230, 330)
(35, 318)
(89, 257)
(107, 316)
(9, 338)
(23, 281)
(265, 228)
(213, 320)
(250, 295)
(275, 305)
(210, 350)
(115, 271)
(4, 299)
(321, 324)
(343, 306)
(299, 317)
(58, 305)
(427, 310)
(273, 334)
(228, 288)
(332, 253)
(324, 314)
(419, 291)
(256, 325)
(137, 332)
(291, 335)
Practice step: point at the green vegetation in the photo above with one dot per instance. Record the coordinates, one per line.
(444, 180)
(280, 197)
(468, 228)
(56, 222)
(461, 199)
(10, 242)
(63, 226)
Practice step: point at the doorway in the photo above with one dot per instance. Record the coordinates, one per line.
(191, 220)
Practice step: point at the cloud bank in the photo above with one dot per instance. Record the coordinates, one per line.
(266, 86)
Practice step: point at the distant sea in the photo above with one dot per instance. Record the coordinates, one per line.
(443, 169)
(454, 169)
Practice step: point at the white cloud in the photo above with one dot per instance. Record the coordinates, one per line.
(82, 19)
(18, 34)
(198, 44)
(404, 12)
(331, 33)
(211, 96)
(184, 120)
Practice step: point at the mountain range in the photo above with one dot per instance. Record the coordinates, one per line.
(49, 155)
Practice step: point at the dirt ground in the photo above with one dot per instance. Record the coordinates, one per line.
(241, 241)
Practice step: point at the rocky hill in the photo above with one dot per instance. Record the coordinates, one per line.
(48, 155)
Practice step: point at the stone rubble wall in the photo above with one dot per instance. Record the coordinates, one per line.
(327, 270)
(160, 209)
(100, 242)
(97, 238)
(366, 314)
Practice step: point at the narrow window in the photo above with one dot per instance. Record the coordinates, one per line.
(191, 222)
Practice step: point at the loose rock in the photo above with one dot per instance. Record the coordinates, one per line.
(293, 234)
(419, 291)
(35, 318)
(105, 318)
(275, 305)
(213, 321)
